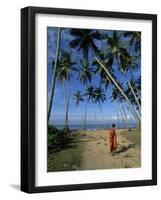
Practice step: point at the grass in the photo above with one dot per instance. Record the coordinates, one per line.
(69, 158)
(133, 136)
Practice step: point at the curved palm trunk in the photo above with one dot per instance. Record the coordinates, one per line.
(96, 120)
(126, 120)
(81, 117)
(130, 115)
(118, 119)
(54, 74)
(133, 80)
(132, 90)
(81, 120)
(133, 114)
(101, 113)
(119, 88)
(85, 117)
(123, 120)
(67, 98)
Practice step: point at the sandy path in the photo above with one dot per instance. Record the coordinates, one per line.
(96, 153)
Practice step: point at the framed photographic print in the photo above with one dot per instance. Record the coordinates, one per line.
(88, 99)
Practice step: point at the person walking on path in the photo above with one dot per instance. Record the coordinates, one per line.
(112, 139)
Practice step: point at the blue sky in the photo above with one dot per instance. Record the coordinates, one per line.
(58, 109)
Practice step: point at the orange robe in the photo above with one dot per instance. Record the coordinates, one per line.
(112, 139)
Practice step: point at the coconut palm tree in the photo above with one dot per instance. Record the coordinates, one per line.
(131, 119)
(65, 69)
(85, 77)
(121, 56)
(134, 40)
(118, 119)
(123, 120)
(85, 72)
(55, 64)
(84, 39)
(99, 97)
(133, 93)
(89, 94)
(107, 61)
(116, 95)
(78, 97)
(96, 120)
(125, 116)
(119, 88)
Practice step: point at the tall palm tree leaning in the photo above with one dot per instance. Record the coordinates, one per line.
(119, 88)
(125, 116)
(106, 61)
(123, 120)
(117, 51)
(54, 74)
(99, 97)
(78, 97)
(65, 68)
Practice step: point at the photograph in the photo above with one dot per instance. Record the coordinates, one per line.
(93, 99)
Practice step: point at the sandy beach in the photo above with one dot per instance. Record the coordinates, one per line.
(89, 150)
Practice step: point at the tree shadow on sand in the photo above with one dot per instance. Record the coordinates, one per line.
(124, 148)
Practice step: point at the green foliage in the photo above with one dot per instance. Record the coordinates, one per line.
(78, 97)
(84, 40)
(56, 138)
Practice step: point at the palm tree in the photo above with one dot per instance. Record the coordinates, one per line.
(54, 73)
(134, 40)
(84, 39)
(65, 68)
(96, 120)
(119, 51)
(133, 91)
(78, 97)
(123, 120)
(89, 94)
(85, 77)
(131, 120)
(118, 119)
(119, 88)
(99, 97)
(85, 72)
(125, 116)
(107, 62)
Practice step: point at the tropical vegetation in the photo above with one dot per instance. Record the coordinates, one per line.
(111, 56)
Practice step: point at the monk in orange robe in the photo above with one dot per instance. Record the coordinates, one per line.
(112, 139)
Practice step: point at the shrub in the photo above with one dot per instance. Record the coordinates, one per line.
(56, 138)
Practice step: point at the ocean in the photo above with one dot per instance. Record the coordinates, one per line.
(94, 126)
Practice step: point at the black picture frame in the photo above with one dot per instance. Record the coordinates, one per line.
(28, 98)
